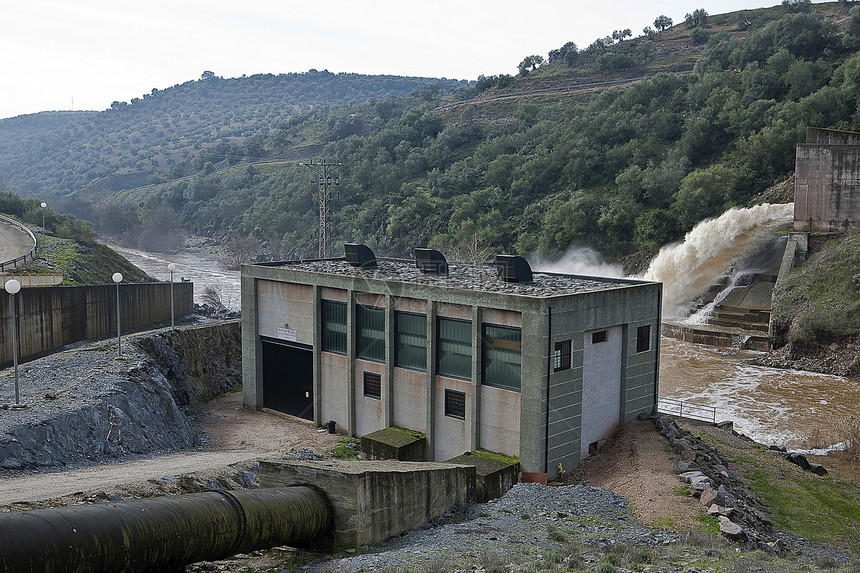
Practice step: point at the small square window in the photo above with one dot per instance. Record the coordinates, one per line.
(455, 404)
(599, 336)
(561, 356)
(643, 338)
(373, 385)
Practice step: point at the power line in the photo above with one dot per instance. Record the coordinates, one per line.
(327, 177)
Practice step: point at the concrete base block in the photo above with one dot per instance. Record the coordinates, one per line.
(375, 500)
(394, 444)
(494, 477)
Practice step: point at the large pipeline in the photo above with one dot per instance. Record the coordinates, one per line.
(163, 533)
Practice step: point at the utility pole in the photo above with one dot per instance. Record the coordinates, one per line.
(327, 176)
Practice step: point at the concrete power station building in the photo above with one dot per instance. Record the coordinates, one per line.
(539, 366)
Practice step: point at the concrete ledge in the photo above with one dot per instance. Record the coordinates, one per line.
(394, 444)
(375, 500)
(494, 476)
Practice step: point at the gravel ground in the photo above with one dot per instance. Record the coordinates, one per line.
(531, 523)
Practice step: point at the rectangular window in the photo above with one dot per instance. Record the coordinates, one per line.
(561, 356)
(370, 331)
(454, 348)
(372, 385)
(410, 340)
(502, 356)
(334, 326)
(455, 404)
(643, 338)
(599, 336)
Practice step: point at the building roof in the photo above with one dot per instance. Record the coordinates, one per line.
(476, 278)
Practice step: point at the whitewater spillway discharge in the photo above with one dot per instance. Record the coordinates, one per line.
(689, 268)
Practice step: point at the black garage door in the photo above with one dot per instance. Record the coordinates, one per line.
(288, 373)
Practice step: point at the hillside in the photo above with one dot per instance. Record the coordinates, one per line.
(621, 146)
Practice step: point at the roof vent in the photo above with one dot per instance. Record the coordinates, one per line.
(359, 255)
(431, 262)
(513, 269)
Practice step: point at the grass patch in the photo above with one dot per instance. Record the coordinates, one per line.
(821, 509)
(346, 448)
(507, 460)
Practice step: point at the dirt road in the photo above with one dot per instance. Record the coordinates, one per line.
(14, 242)
(234, 438)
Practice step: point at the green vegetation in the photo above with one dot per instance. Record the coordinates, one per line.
(820, 300)
(82, 263)
(821, 509)
(507, 460)
(346, 448)
(532, 163)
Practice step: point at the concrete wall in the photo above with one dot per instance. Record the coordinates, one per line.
(827, 183)
(52, 317)
(601, 386)
(375, 500)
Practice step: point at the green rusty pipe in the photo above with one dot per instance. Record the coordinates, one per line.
(163, 532)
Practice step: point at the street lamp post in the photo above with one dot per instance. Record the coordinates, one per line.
(12, 287)
(117, 278)
(171, 267)
(43, 221)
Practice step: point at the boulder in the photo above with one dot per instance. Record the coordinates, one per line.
(720, 510)
(731, 530)
(798, 459)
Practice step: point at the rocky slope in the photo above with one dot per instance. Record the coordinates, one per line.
(87, 405)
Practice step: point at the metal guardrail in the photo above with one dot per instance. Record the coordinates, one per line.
(14, 262)
(32, 280)
(689, 410)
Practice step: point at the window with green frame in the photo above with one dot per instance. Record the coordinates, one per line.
(410, 340)
(334, 326)
(454, 349)
(502, 357)
(370, 330)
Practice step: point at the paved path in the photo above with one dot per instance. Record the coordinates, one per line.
(55, 485)
(14, 242)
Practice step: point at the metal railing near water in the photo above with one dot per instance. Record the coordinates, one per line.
(690, 410)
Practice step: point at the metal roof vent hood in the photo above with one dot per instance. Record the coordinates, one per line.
(359, 255)
(431, 262)
(513, 269)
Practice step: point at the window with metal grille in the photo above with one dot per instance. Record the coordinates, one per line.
(370, 330)
(643, 338)
(455, 348)
(410, 340)
(561, 356)
(334, 326)
(502, 356)
(373, 385)
(455, 404)
(599, 336)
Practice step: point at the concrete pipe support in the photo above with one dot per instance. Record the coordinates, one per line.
(161, 533)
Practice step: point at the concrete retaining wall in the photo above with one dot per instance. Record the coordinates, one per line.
(826, 189)
(375, 500)
(53, 317)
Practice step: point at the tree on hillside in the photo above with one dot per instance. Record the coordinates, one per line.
(662, 22)
(530, 64)
(796, 6)
(697, 18)
(620, 35)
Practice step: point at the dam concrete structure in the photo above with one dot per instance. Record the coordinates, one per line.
(827, 182)
(542, 369)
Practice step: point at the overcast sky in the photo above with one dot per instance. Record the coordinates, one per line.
(85, 54)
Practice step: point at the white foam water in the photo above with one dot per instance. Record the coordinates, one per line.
(689, 268)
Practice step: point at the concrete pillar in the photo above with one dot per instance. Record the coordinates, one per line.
(317, 380)
(390, 349)
(429, 431)
(477, 372)
(350, 360)
(252, 348)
